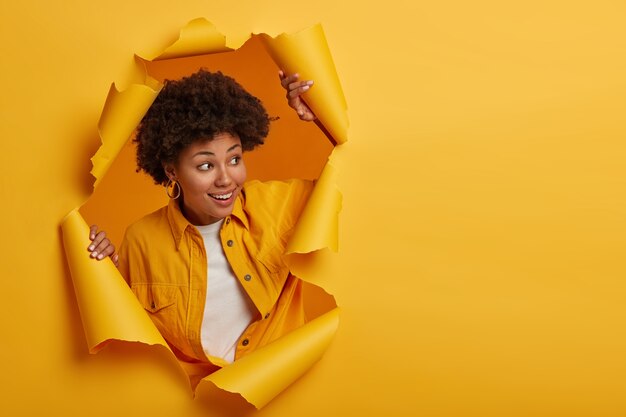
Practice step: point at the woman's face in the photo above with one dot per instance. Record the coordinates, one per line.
(210, 173)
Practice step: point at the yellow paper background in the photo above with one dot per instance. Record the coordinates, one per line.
(483, 222)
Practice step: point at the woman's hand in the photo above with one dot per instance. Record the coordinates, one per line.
(295, 89)
(101, 246)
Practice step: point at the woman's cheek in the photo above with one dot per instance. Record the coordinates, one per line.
(242, 173)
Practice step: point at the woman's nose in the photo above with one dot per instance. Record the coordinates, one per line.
(223, 178)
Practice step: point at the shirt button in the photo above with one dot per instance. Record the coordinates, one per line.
(247, 277)
(245, 342)
(267, 316)
(227, 220)
(230, 243)
(152, 305)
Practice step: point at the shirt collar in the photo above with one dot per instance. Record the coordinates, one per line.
(238, 209)
(178, 222)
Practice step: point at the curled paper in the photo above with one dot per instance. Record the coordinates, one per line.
(109, 310)
(198, 37)
(121, 115)
(322, 209)
(267, 371)
(96, 284)
(307, 54)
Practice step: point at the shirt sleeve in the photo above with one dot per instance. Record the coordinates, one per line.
(276, 205)
(273, 209)
(123, 259)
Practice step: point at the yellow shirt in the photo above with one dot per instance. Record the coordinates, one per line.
(164, 261)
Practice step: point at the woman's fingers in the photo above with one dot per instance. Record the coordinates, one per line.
(306, 114)
(100, 246)
(92, 232)
(96, 237)
(295, 89)
(104, 249)
(292, 85)
(285, 80)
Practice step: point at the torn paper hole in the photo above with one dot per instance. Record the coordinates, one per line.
(96, 283)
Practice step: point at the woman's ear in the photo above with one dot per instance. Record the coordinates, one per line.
(170, 171)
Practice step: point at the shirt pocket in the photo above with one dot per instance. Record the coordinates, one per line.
(160, 303)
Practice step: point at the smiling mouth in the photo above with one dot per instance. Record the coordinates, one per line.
(222, 197)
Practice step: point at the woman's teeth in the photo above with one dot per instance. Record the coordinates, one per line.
(222, 196)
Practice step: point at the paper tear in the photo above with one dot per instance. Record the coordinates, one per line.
(122, 113)
(261, 375)
(198, 37)
(319, 221)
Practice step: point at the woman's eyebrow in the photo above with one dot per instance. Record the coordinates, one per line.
(203, 153)
(211, 153)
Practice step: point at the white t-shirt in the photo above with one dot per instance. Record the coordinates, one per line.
(228, 310)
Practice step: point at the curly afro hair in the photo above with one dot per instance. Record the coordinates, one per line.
(194, 108)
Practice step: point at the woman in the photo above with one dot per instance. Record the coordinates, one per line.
(209, 266)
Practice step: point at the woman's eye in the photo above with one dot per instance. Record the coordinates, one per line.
(205, 167)
(235, 160)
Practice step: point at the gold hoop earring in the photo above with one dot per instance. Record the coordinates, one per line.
(175, 186)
